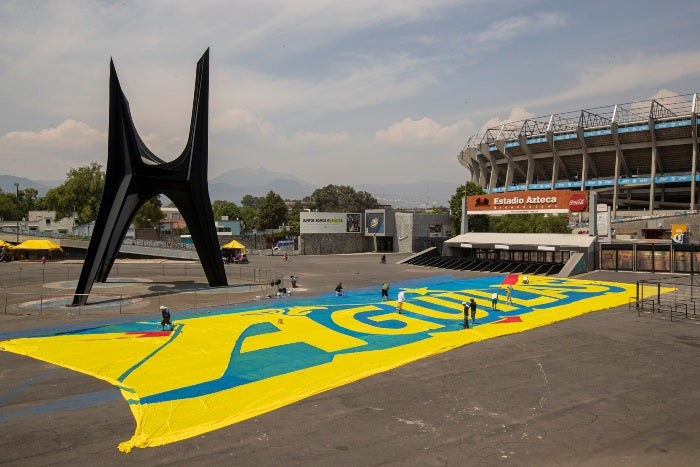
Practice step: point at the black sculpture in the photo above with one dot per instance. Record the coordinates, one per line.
(135, 175)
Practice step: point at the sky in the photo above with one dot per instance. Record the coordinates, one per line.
(329, 91)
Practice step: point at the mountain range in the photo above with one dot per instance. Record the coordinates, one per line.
(232, 185)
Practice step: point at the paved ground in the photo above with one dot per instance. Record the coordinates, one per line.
(605, 388)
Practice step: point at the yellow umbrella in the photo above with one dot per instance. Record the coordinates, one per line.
(38, 245)
(234, 245)
(4, 243)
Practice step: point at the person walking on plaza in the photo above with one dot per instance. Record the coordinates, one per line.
(385, 291)
(165, 313)
(465, 310)
(339, 290)
(494, 300)
(472, 308)
(401, 299)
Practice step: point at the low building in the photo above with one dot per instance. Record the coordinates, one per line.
(380, 230)
(41, 223)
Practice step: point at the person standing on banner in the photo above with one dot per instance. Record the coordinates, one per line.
(472, 308)
(494, 300)
(465, 310)
(401, 299)
(165, 313)
(385, 291)
(509, 298)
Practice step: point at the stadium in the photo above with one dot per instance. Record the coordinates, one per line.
(640, 157)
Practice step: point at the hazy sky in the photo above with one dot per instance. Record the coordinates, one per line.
(344, 92)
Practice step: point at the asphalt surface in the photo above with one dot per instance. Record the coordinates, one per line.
(606, 388)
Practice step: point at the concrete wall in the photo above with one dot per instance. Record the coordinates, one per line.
(404, 232)
(333, 244)
(413, 231)
(633, 228)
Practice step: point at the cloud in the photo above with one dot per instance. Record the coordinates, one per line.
(516, 114)
(234, 122)
(357, 82)
(637, 72)
(48, 154)
(243, 121)
(508, 29)
(425, 130)
(70, 134)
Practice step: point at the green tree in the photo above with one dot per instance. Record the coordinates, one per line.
(18, 204)
(477, 223)
(529, 223)
(293, 216)
(341, 198)
(225, 208)
(249, 216)
(8, 206)
(437, 210)
(149, 214)
(272, 211)
(81, 192)
(28, 201)
(250, 201)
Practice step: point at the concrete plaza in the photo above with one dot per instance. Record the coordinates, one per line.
(605, 388)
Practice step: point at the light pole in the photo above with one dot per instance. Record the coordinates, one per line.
(18, 208)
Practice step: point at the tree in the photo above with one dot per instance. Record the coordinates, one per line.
(293, 216)
(530, 223)
(8, 206)
(18, 204)
(225, 208)
(81, 192)
(341, 198)
(477, 223)
(272, 211)
(149, 214)
(249, 216)
(250, 201)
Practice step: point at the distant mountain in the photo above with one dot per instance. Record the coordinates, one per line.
(235, 184)
(255, 177)
(232, 185)
(7, 183)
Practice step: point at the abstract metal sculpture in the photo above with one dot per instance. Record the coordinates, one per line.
(135, 175)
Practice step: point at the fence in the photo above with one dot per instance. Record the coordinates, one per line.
(673, 297)
(71, 272)
(139, 288)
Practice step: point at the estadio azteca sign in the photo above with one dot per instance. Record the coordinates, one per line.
(526, 202)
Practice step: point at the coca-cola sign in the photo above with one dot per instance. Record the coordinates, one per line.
(577, 202)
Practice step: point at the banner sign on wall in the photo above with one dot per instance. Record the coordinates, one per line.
(329, 222)
(374, 222)
(679, 233)
(528, 202)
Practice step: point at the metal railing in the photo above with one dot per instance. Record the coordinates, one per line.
(179, 286)
(673, 297)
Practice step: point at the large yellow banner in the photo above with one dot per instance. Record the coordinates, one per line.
(218, 368)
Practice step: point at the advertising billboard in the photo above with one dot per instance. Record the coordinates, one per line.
(329, 222)
(375, 222)
(528, 202)
(679, 233)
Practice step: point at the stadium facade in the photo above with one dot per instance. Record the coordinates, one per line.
(640, 157)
